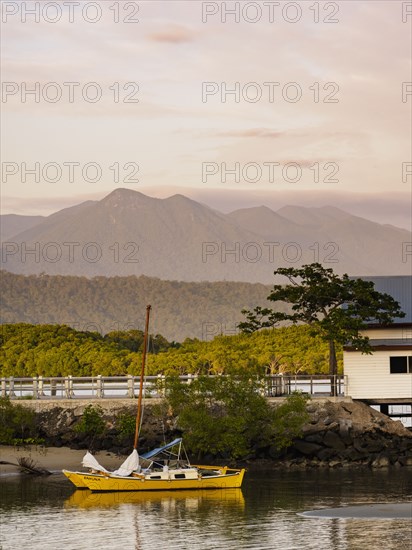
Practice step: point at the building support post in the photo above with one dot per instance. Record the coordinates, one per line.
(384, 409)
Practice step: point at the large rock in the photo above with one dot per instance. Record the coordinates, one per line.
(332, 440)
(372, 444)
(352, 454)
(326, 453)
(381, 462)
(353, 432)
(306, 447)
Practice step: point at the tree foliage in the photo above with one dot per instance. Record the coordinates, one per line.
(126, 426)
(289, 419)
(17, 424)
(56, 350)
(227, 416)
(92, 422)
(336, 308)
(92, 425)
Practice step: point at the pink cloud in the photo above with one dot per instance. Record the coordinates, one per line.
(253, 132)
(173, 34)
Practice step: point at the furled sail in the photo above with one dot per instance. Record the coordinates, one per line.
(129, 465)
(90, 462)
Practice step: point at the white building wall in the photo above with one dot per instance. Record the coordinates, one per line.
(369, 377)
(394, 332)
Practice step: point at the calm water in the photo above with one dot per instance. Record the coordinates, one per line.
(43, 514)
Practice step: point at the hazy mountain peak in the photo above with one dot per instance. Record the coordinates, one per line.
(179, 196)
(180, 199)
(126, 198)
(123, 193)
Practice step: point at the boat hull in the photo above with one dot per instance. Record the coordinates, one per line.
(75, 478)
(100, 483)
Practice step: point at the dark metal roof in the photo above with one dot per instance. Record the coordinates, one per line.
(399, 287)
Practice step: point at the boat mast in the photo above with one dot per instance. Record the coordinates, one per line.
(139, 403)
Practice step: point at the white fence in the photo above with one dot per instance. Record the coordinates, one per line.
(100, 387)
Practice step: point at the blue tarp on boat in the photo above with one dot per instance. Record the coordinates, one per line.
(158, 450)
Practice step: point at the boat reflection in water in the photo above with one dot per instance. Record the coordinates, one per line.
(192, 499)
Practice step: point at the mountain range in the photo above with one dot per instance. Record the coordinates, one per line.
(129, 233)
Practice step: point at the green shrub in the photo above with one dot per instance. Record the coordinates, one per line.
(229, 416)
(92, 422)
(289, 419)
(126, 426)
(17, 424)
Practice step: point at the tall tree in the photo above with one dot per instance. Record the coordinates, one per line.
(337, 308)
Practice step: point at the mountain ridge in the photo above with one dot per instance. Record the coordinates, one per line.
(130, 233)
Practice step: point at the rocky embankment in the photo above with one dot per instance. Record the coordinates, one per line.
(57, 424)
(351, 433)
(341, 433)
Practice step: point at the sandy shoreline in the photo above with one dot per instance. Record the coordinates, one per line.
(52, 458)
(392, 510)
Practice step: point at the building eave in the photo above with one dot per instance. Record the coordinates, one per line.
(397, 347)
(378, 326)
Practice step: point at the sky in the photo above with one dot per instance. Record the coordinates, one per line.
(234, 104)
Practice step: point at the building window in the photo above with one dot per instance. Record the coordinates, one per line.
(400, 365)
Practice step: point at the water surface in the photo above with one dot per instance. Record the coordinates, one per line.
(46, 513)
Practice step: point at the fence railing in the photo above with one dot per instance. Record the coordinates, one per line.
(121, 387)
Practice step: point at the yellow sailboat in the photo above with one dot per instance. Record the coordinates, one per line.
(162, 469)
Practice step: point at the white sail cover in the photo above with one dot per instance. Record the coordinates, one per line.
(90, 462)
(129, 465)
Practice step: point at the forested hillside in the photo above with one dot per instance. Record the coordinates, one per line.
(56, 350)
(104, 304)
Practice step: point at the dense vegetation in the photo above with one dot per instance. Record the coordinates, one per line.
(229, 417)
(58, 350)
(105, 304)
(17, 424)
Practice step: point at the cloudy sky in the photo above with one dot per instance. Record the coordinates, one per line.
(278, 103)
